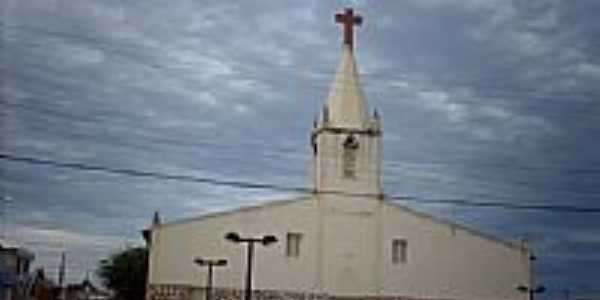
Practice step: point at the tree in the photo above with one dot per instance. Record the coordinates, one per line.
(125, 273)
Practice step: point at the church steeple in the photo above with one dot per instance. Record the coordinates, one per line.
(347, 106)
(346, 99)
(346, 141)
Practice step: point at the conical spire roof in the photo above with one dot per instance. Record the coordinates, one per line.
(347, 106)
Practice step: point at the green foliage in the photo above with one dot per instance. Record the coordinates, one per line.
(125, 273)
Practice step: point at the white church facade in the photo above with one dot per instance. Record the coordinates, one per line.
(343, 241)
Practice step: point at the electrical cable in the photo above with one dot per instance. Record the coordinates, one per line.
(283, 188)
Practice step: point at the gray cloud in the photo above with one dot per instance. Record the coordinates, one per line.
(484, 100)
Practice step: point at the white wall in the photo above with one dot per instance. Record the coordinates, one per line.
(458, 263)
(345, 250)
(175, 246)
(444, 261)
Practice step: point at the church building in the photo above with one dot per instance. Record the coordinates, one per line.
(344, 240)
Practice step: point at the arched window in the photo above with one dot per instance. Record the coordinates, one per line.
(349, 156)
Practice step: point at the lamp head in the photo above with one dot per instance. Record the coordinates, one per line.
(221, 262)
(233, 237)
(523, 288)
(200, 261)
(269, 239)
(532, 257)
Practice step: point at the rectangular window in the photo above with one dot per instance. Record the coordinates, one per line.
(349, 163)
(399, 251)
(292, 248)
(350, 147)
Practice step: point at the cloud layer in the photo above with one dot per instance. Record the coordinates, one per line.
(482, 100)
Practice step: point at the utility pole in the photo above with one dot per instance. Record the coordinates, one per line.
(210, 263)
(6, 202)
(265, 240)
(87, 285)
(61, 276)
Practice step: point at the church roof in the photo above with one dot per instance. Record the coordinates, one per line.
(262, 205)
(513, 244)
(6, 245)
(346, 101)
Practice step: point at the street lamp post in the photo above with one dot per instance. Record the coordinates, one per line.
(210, 263)
(265, 240)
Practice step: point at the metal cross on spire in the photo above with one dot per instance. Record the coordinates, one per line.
(348, 19)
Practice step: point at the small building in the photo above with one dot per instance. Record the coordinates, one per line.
(15, 262)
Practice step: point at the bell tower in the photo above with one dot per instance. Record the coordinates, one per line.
(346, 139)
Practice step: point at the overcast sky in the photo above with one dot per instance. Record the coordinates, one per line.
(481, 100)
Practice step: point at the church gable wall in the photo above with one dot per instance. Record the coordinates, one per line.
(346, 252)
(457, 262)
(176, 245)
(442, 261)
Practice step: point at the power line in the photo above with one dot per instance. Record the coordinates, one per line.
(282, 188)
(273, 150)
(387, 165)
(391, 166)
(277, 151)
(149, 174)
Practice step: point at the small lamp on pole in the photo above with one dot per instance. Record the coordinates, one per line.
(525, 289)
(210, 263)
(264, 240)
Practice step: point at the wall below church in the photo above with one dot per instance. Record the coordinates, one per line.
(182, 292)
